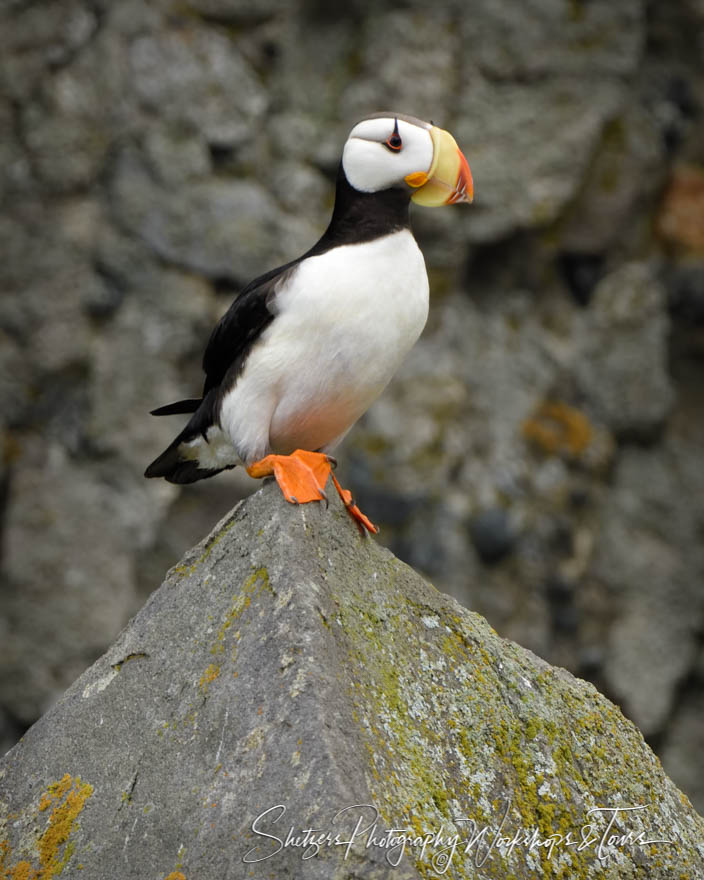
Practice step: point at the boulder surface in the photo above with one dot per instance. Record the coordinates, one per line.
(292, 675)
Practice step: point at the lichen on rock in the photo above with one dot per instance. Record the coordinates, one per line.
(290, 674)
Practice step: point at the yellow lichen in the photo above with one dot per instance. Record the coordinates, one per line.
(558, 429)
(259, 579)
(210, 674)
(22, 871)
(67, 802)
(66, 798)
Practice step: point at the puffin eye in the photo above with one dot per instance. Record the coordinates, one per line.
(393, 141)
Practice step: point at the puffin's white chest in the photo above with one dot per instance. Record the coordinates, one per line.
(344, 322)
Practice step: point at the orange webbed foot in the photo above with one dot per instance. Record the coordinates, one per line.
(301, 476)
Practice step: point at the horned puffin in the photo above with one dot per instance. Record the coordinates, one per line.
(306, 348)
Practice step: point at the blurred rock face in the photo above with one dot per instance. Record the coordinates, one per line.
(544, 438)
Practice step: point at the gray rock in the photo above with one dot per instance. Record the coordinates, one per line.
(194, 77)
(176, 155)
(621, 366)
(230, 228)
(656, 586)
(38, 36)
(418, 76)
(67, 125)
(529, 159)
(53, 495)
(135, 366)
(289, 669)
(556, 76)
(554, 38)
(625, 173)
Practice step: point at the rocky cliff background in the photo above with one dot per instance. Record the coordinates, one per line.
(544, 439)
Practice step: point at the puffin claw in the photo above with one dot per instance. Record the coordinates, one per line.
(332, 461)
(364, 524)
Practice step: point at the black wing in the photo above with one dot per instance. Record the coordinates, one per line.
(233, 336)
(240, 327)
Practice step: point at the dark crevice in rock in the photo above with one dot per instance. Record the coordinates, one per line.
(222, 156)
(582, 272)
(233, 17)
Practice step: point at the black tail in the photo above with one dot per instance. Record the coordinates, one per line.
(172, 467)
(179, 463)
(178, 408)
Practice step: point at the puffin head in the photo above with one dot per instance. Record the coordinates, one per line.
(392, 150)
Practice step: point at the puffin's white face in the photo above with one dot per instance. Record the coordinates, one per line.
(390, 150)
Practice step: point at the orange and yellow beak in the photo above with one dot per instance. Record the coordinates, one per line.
(448, 181)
